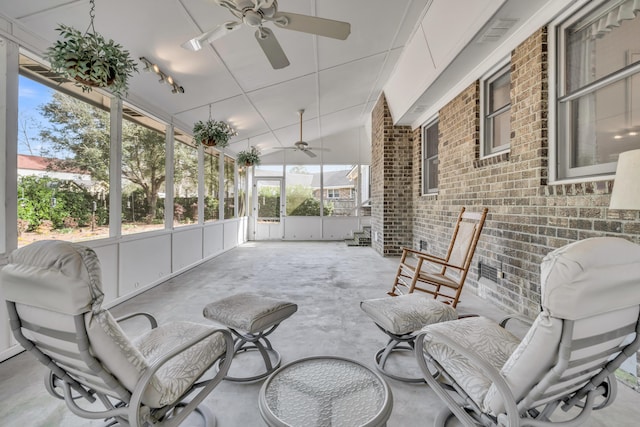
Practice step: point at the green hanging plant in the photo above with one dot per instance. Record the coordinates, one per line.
(91, 60)
(213, 133)
(249, 157)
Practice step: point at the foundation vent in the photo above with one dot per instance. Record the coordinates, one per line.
(487, 272)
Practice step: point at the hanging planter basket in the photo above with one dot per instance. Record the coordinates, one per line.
(213, 133)
(249, 157)
(90, 60)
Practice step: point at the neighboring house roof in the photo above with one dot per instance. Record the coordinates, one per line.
(333, 179)
(38, 163)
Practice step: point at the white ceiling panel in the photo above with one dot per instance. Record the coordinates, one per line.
(340, 79)
(279, 104)
(371, 32)
(459, 25)
(349, 84)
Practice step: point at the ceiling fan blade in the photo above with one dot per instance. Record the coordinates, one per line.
(312, 25)
(271, 48)
(221, 30)
(309, 153)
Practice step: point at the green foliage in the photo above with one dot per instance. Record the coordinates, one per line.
(296, 196)
(310, 207)
(91, 60)
(249, 157)
(60, 202)
(213, 132)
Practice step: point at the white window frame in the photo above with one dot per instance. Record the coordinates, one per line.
(559, 152)
(333, 193)
(426, 190)
(486, 121)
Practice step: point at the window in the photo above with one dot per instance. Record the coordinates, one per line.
(340, 183)
(143, 172)
(496, 112)
(598, 80)
(185, 180)
(430, 140)
(303, 190)
(211, 185)
(229, 187)
(63, 159)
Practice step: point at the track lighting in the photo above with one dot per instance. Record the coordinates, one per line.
(164, 78)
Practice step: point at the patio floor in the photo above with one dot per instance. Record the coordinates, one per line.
(327, 280)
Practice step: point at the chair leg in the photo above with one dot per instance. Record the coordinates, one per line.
(396, 343)
(245, 342)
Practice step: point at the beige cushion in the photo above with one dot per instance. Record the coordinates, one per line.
(249, 312)
(53, 275)
(408, 313)
(479, 335)
(591, 276)
(127, 361)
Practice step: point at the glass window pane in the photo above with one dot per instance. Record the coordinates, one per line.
(601, 127)
(242, 192)
(430, 161)
(499, 92)
(340, 184)
(302, 196)
(185, 180)
(501, 129)
(229, 188)
(211, 185)
(601, 43)
(63, 161)
(143, 173)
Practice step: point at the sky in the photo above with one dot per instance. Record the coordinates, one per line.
(31, 95)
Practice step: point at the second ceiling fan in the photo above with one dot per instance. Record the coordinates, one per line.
(255, 13)
(301, 145)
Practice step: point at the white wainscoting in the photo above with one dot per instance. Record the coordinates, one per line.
(134, 263)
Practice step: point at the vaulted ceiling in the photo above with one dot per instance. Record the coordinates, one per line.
(336, 82)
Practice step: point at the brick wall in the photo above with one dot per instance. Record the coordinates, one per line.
(527, 217)
(391, 182)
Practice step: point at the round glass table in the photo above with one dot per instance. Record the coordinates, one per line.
(325, 391)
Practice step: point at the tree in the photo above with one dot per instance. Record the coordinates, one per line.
(79, 138)
(143, 161)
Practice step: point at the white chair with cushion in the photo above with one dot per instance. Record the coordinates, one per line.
(589, 325)
(54, 297)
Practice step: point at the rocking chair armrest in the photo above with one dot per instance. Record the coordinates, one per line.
(511, 408)
(439, 261)
(145, 379)
(149, 316)
(420, 254)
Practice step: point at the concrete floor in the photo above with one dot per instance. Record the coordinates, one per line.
(327, 280)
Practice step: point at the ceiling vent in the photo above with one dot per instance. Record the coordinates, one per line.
(496, 30)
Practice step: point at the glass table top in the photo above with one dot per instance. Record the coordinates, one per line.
(325, 391)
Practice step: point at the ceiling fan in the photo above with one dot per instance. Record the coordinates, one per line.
(255, 13)
(301, 145)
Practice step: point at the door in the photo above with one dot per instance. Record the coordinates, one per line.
(267, 206)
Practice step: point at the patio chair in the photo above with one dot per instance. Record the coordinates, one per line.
(589, 325)
(442, 277)
(54, 296)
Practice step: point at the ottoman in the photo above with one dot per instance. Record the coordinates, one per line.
(251, 318)
(400, 317)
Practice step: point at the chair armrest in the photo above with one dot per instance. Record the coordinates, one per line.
(439, 261)
(152, 320)
(223, 368)
(505, 320)
(489, 371)
(420, 254)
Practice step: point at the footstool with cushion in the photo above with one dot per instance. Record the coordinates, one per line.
(251, 317)
(401, 317)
